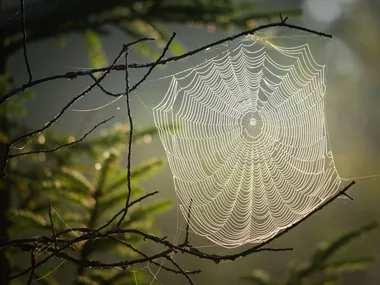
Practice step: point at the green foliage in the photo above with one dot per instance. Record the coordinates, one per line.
(135, 18)
(16, 106)
(319, 269)
(96, 55)
(86, 188)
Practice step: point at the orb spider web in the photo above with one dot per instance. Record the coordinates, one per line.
(246, 140)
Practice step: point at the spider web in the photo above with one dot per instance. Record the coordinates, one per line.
(246, 140)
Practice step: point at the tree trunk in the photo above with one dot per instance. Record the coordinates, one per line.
(5, 197)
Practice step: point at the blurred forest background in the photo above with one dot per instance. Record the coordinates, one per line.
(351, 106)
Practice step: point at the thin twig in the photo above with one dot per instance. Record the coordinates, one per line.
(283, 20)
(185, 274)
(348, 196)
(154, 262)
(123, 210)
(33, 264)
(186, 241)
(127, 93)
(130, 133)
(25, 51)
(53, 227)
(64, 145)
(134, 87)
(104, 90)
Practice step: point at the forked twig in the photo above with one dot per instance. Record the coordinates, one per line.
(127, 93)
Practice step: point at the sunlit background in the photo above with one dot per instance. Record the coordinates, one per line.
(352, 117)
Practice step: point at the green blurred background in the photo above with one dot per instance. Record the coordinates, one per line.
(352, 116)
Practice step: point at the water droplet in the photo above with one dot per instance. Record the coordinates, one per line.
(41, 139)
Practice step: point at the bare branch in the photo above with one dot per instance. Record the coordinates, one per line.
(154, 64)
(129, 141)
(186, 241)
(53, 227)
(75, 74)
(25, 51)
(127, 90)
(64, 145)
(154, 262)
(33, 264)
(123, 210)
(104, 90)
(180, 269)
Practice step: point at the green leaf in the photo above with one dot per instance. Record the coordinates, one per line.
(117, 276)
(96, 55)
(69, 218)
(60, 195)
(145, 212)
(260, 277)
(28, 217)
(3, 138)
(340, 267)
(138, 29)
(331, 280)
(326, 251)
(78, 178)
(175, 47)
(323, 253)
(16, 106)
(137, 174)
(104, 172)
(110, 201)
(85, 280)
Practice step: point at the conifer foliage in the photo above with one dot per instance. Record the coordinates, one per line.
(80, 188)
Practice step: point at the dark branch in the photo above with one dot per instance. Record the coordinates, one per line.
(64, 145)
(129, 141)
(53, 227)
(185, 274)
(104, 90)
(146, 256)
(123, 210)
(72, 75)
(154, 64)
(33, 264)
(127, 90)
(25, 51)
(186, 241)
